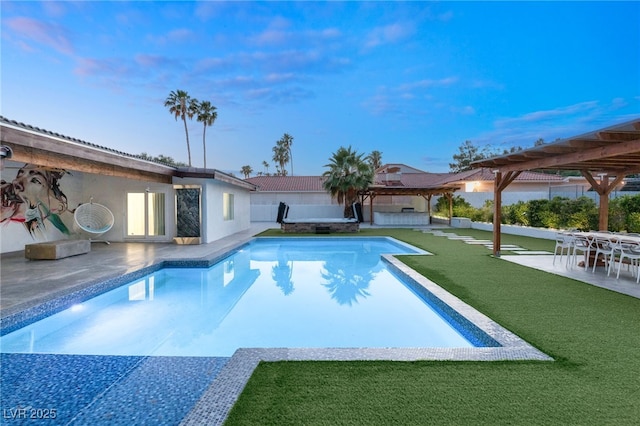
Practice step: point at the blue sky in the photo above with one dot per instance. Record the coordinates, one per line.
(413, 80)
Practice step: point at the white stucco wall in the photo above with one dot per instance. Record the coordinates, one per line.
(264, 205)
(214, 226)
(112, 192)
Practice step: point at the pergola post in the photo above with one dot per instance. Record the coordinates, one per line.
(371, 197)
(497, 214)
(501, 182)
(449, 197)
(428, 197)
(603, 188)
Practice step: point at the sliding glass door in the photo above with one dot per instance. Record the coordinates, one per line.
(146, 214)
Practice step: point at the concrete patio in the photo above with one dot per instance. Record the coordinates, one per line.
(626, 284)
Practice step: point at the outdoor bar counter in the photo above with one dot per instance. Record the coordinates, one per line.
(403, 218)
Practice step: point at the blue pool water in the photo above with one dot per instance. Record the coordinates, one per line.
(274, 292)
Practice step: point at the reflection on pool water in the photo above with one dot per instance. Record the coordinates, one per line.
(274, 292)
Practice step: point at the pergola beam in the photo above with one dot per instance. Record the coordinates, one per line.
(582, 156)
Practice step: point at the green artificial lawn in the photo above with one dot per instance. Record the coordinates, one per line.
(592, 333)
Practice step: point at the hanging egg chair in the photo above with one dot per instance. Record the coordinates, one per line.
(93, 219)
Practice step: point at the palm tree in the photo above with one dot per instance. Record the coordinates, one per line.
(286, 141)
(348, 173)
(375, 159)
(266, 168)
(281, 158)
(206, 114)
(246, 171)
(181, 105)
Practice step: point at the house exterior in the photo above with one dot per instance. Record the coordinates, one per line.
(49, 175)
(307, 197)
(476, 186)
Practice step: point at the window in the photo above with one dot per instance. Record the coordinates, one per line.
(227, 206)
(145, 214)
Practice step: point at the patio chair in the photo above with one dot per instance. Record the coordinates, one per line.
(564, 241)
(584, 244)
(630, 251)
(607, 248)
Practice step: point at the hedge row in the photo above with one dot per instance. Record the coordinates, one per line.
(558, 213)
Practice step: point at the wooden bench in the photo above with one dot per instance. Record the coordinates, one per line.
(52, 250)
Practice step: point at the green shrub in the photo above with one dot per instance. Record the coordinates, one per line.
(550, 220)
(516, 214)
(460, 205)
(581, 213)
(537, 213)
(617, 216)
(558, 213)
(486, 212)
(631, 206)
(633, 222)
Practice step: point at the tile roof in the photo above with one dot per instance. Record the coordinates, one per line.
(111, 157)
(409, 180)
(405, 180)
(45, 132)
(485, 174)
(288, 183)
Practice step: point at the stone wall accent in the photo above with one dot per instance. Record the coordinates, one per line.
(319, 227)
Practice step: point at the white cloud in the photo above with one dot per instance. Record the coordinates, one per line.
(389, 34)
(48, 34)
(558, 123)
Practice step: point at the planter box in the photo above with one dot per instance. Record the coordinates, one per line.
(525, 231)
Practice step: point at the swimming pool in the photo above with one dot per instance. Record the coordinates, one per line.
(271, 293)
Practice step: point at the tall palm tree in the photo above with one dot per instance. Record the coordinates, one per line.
(286, 141)
(348, 173)
(375, 159)
(246, 171)
(181, 105)
(281, 158)
(206, 114)
(266, 168)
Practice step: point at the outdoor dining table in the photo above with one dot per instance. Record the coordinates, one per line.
(613, 237)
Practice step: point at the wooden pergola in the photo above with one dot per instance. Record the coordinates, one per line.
(604, 157)
(427, 192)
